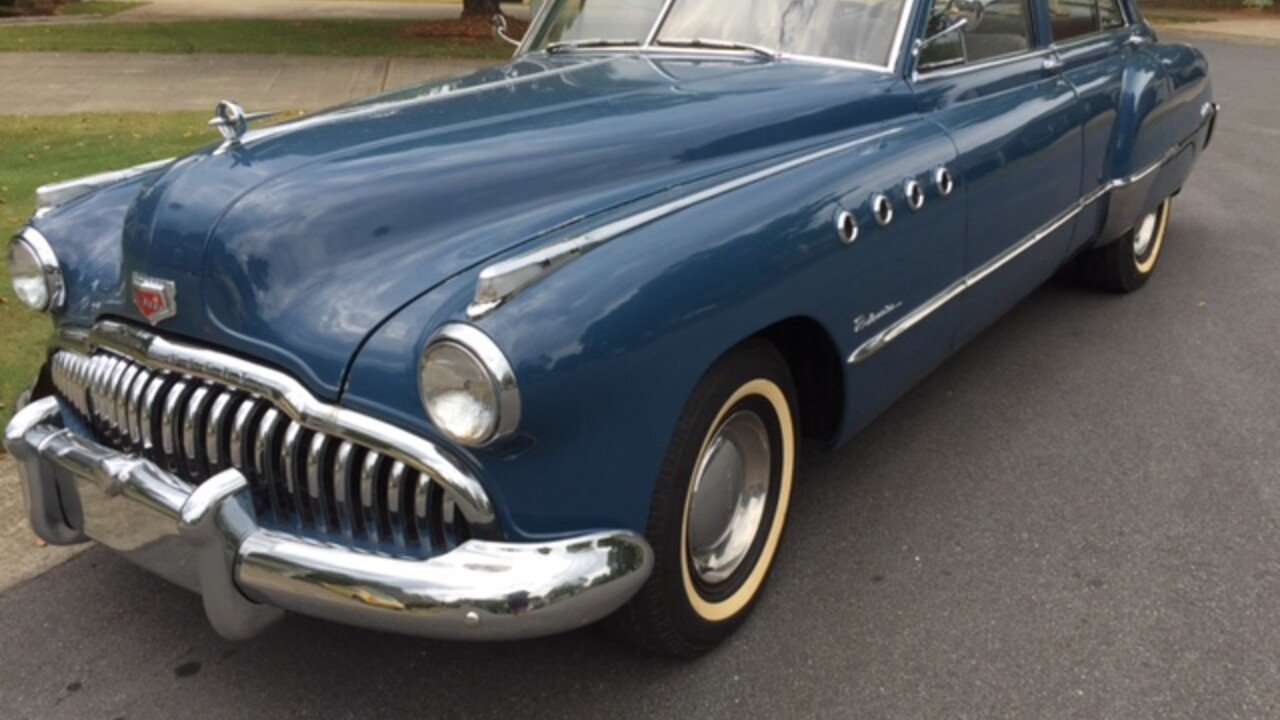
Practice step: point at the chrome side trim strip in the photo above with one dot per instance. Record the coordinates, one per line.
(54, 194)
(499, 282)
(290, 397)
(883, 338)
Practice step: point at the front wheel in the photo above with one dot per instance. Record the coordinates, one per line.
(1125, 265)
(719, 506)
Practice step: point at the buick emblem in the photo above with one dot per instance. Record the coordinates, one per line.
(156, 299)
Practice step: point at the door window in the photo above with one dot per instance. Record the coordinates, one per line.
(1071, 19)
(994, 28)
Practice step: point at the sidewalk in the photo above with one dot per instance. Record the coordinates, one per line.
(289, 10)
(171, 10)
(57, 83)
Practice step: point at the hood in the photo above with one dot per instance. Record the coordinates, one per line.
(296, 245)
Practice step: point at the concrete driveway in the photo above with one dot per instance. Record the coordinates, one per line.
(1078, 516)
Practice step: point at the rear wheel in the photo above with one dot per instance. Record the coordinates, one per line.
(719, 506)
(1125, 265)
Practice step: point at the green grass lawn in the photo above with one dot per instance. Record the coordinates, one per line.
(273, 37)
(38, 150)
(99, 7)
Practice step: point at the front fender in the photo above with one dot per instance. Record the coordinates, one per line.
(608, 348)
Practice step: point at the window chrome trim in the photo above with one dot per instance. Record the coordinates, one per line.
(534, 24)
(289, 397)
(1097, 36)
(922, 312)
(953, 70)
(659, 22)
(896, 54)
(502, 280)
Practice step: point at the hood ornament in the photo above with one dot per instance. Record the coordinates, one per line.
(232, 121)
(155, 298)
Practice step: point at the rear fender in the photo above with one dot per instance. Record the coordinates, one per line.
(1161, 125)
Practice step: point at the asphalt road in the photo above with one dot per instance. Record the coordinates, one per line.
(1077, 516)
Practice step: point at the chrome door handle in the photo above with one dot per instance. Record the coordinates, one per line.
(1052, 64)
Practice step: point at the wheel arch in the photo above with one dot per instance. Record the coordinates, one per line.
(817, 370)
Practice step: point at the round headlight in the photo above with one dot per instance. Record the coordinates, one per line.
(467, 387)
(34, 271)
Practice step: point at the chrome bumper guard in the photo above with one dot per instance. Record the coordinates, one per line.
(205, 539)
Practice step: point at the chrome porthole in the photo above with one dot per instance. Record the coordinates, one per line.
(944, 182)
(914, 193)
(882, 209)
(846, 226)
(730, 492)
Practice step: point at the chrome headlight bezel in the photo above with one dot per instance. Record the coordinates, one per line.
(491, 363)
(40, 254)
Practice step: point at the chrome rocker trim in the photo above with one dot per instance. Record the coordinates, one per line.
(291, 398)
(204, 538)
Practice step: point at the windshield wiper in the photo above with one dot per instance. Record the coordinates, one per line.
(592, 43)
(721, 45)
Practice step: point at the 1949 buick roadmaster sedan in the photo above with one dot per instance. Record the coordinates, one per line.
(506, 355)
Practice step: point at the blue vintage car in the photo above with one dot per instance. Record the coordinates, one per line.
(509, 354)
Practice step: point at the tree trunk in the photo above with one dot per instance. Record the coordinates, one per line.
(480, 8)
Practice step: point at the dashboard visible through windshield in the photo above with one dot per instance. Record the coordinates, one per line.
(862, 31)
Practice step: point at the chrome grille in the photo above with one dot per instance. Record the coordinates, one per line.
(299, 479)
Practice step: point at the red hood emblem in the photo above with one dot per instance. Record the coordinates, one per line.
(156, 299)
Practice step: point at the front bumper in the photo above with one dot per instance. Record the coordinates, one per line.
(205, 538)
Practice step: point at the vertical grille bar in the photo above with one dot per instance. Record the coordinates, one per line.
(265, 463)
(298, 477)
(169, 422)
(193, 419)
(344, 471)
(393, 516)
(132, 402)
(215, 430)
(318, 470)
(369, 494)
(115, 408)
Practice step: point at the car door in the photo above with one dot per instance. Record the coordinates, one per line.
(1093, 42)
(997, 89)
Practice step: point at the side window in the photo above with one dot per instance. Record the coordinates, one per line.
(1075, 18)
(1109, 15)
(995, 28)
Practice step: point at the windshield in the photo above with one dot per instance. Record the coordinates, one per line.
(576, 21)
(857, 30)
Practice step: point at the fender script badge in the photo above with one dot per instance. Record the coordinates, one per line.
(156, 299)
(866, 320)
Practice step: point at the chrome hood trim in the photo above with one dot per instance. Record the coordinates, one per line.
(499, 282)
(52, 195)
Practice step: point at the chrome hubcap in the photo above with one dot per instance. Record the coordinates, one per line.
(730, 488)
(1145, 233)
